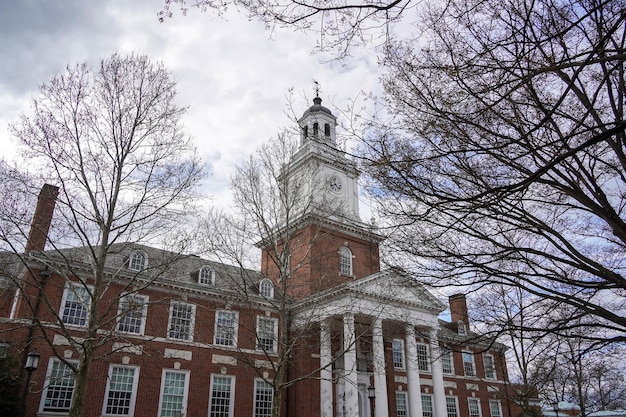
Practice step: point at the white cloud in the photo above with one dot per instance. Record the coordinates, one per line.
(231, 75)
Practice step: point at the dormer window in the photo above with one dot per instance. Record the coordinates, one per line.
(345, 261)
(266, 288)
(461, 328)
(206, 276)
(138, 261)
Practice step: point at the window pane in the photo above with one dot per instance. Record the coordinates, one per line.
(427, 405)
(446, 360)
(423, 362)
(345, 261)
(494, 408)
(181, 321)
(132, 309)
(225, 328)
(468, 364)
(398, 353)
(451, 407)
(173, 395)
(266, 334)
(60, 388)
(490, 370)
(206, 276)
(474, 407)
(220, 396)
(120, 391)
(401, 409)
(76, 306)
(263, 396)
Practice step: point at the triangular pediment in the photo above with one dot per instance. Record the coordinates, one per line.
(397, 287)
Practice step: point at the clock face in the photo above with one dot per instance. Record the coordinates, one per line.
(334, 183)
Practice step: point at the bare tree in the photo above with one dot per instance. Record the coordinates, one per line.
(110, 138)
(504, 161)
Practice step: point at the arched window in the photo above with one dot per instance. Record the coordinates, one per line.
(266, 288)
(305, 131)
(206, 276)
(316, 129)
(345, 261)
(326, 129)
(138, 261)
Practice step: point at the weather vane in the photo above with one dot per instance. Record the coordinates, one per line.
(317, 88)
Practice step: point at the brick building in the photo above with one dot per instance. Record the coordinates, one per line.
(186, 336)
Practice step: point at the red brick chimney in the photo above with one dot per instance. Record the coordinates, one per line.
(458, 309)
(42, 218)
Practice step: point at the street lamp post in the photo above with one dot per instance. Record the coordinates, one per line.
(371, 394)
(32, 361)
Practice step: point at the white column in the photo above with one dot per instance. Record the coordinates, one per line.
(412, 374)
(351, 403)
(439, 393)
(326, 384)
(380, 377)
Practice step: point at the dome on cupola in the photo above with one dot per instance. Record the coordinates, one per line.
(318, 124)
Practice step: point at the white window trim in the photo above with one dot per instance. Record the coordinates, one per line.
(235, 333)
(480, 411)
(274, 320)
(400, 342)
(185, 389)
(44, 392)
(257, 381)
(211, 278)
(456, 405)
(266, 281)
(473, 363)
(345, 251)
(145, 261)
(432, 403)
(66, 291)
(133, 396)
(231, 406)
(493, 367)
(191, 325)
(144, 313)
(450, 353)
(428, 365)
(406, 402)
(498, 404)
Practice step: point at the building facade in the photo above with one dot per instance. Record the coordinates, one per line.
(179, 335)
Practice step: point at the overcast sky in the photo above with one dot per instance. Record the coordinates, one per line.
(234, 78)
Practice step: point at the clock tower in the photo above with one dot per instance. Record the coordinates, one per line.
(329, 243)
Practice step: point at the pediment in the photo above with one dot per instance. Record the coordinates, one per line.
(398, 288)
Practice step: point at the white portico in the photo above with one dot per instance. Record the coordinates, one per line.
(364, 314)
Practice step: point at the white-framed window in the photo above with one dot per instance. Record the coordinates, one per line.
(427, 405)
(468, 364)
(131, 313)
(58, 388)
(266, 333)
(474, 407)
(75, 304)
(266, 288)
(138, 261)
(174, 391)
(263, 398)
(490, 366)
(345, 261)
(222, 396)
(452, 408)
(402, 409)
(447, 364)
(206, 275)
(182, 317)
(121, 391)
(397, 346)
(423, 357)
(495, 408)
(226, 327)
